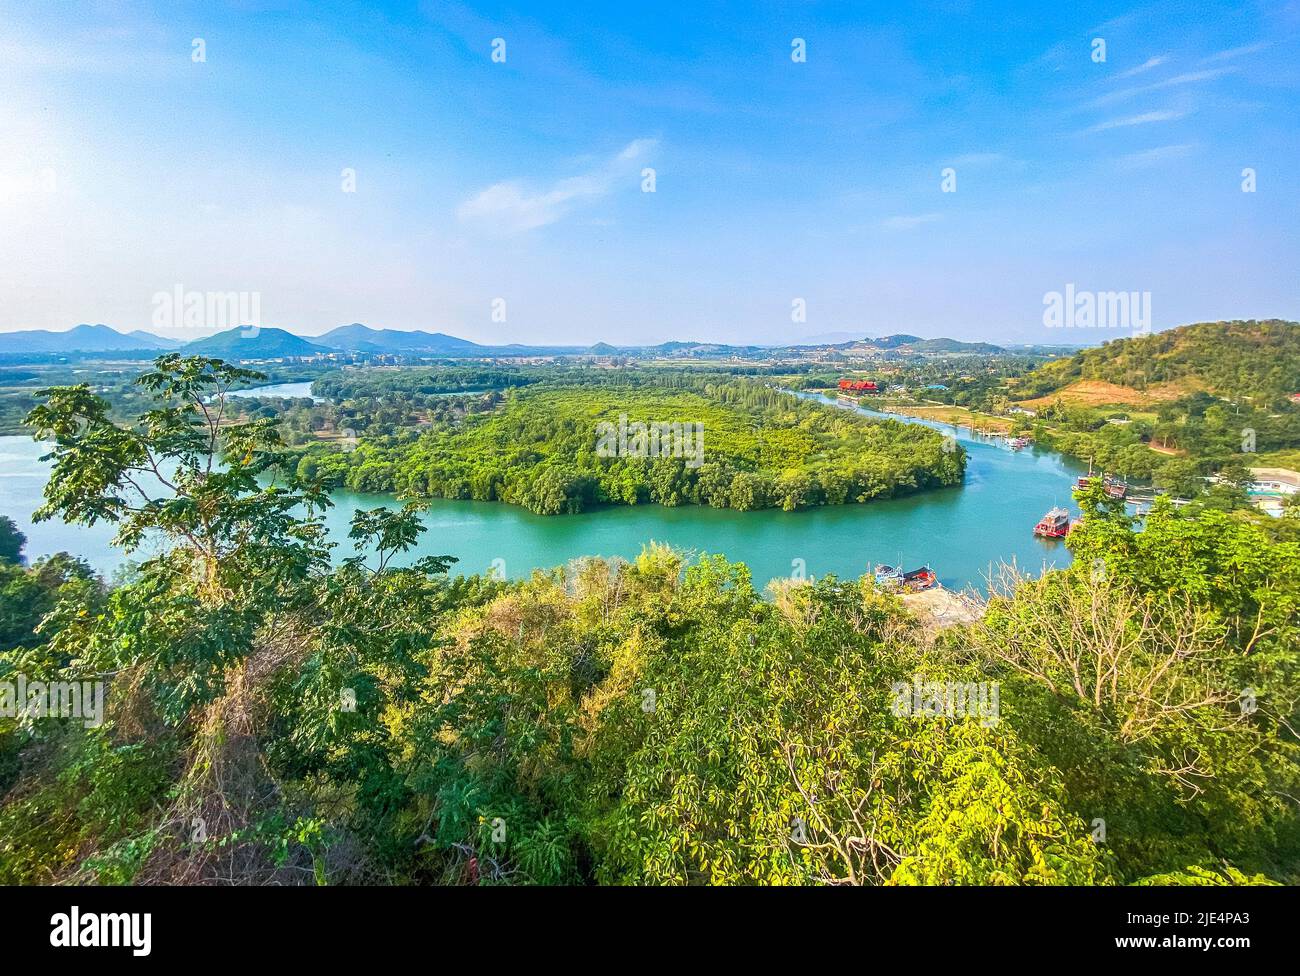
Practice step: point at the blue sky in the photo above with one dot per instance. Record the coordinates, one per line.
(128, 168)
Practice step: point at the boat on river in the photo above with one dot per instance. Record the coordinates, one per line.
(1054, 525)
(1114, 487)
(894, 578)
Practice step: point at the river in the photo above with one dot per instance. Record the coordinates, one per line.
(302, 391)
(959, 531)
(289, 391)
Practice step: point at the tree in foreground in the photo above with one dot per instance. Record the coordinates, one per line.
(12, 541)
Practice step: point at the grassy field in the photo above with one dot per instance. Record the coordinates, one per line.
(1288, 458)
(946, 414)
(1097, 393)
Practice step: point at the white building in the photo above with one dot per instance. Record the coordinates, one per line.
(1271, 488)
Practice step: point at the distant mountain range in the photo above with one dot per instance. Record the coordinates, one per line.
(911, 343)
(263, 343)
(268, 343)
(81, 338)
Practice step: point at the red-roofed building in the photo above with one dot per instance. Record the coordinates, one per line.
(858, 386)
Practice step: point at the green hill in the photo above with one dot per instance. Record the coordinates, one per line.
(360, 338)
(894, 341)
(235, 345)
(1227, 359)
(915, 344)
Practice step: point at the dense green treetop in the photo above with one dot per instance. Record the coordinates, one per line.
(736, 444)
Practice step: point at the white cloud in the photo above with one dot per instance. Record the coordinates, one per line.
(1150, 157)
(1144, 119)
(129, 49)
(1146, 65)
(1187, 78)
(510, 207)
(1234, 52)
(979, 159)
(908, 221)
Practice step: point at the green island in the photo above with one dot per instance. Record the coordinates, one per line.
(556, 448)
(274, 716)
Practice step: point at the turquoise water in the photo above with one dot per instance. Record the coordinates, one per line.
(959, 531)
(295, 391)
(291, 391)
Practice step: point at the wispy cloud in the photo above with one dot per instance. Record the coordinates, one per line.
(1123, 20)
(1187, 78)
(1146, 118)
(89, 52)
(979, 159)
(1150, 157)
(1146, 65)
(908, 221)
(510, 207)
(1234, 52)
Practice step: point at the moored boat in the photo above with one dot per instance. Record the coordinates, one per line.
(893, 578)
(888, 576)
(1084, 480)
(1114, 487)
(920, 579)
(1054, 525)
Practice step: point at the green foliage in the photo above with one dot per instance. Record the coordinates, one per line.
(12, 541)
(760, 448)
(415, 384)
(1159, 674)
(1205, 877)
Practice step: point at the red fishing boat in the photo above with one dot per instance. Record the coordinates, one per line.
(1054, 525)
(920, 579)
